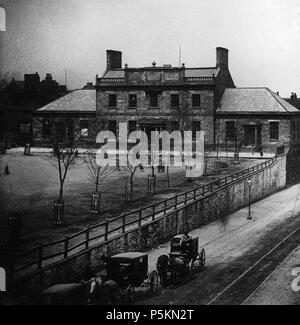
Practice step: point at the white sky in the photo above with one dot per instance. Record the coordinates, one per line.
(263, 37)
(2, 20)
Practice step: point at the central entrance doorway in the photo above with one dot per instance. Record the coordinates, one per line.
(252, 136)
(149, 127)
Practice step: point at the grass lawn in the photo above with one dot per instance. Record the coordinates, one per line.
(32, 186)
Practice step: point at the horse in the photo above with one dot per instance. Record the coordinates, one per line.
(179, 268)
(162, 267)
(104, 292)
(67, 294)
(176, 265)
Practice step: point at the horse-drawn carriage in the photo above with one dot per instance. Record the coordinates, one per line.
(123, 273)
(127, 271)
(183, 260)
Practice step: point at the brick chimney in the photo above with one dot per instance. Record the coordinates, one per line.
(114, 60)
(222, 57)
(31, 80)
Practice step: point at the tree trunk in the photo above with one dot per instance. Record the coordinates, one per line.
(59, 212)
(129, 190)
(96, 202)
(61, 191)
(168, 176)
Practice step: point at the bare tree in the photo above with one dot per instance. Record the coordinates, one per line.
(97, 173)
(184, 113)
(130, 170)
(65, 148)
(218, 136)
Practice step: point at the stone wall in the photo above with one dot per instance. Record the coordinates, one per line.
(268, 145)
(213, 206)
(40, 140)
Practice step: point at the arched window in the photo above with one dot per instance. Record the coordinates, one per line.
(2, 20)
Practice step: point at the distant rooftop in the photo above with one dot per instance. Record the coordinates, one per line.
(82, 100)
(254, 100)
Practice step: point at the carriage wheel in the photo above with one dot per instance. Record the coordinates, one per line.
(195, 265)
(130, 293)
(202, 258)
(198, 263)
(153, 281)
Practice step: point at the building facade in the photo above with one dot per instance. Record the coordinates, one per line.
(75, 113)
(158, 98)
(257, 119)
(18, 102)
(161, 97)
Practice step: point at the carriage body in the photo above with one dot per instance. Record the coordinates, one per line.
(183, 260)
(187, 248)
(128, 268)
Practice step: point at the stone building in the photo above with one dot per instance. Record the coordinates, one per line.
(176, 98)
(161, 97)
(75, 111)
(256, 118)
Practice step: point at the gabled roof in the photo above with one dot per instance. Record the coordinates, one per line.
(253, 100)
(82, 100)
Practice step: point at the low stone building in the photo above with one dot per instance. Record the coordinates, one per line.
(75, 112)
(256, 119)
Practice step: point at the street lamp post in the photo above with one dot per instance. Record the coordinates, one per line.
(249, 183)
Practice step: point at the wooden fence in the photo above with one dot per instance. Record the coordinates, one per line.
(48, 253)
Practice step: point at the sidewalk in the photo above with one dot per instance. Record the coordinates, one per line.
(227, 240)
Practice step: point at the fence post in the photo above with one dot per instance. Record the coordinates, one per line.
(40, 256)
(123, 223)
(153, 213)
(203, 190)
(195, 194)
(211, 187)
(176, 201)
(87, 237)
(106, 229)
(66, 246)
(140, 217)
(165, 207)
(185, 198)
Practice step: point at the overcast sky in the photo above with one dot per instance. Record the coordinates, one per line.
(263, 37)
